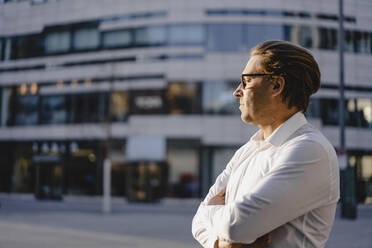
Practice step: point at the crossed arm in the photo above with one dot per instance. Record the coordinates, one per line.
(298, 183)
(261, 242)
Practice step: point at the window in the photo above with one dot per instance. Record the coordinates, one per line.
(183, 98)
(86, 38)
(119, 106)
(53, 110)
(57, 42)
(348, 45)
(117, 38)
(225, 37)
(27, 46)
(186, 34)
(88, 108)
(217, 98)
(183, 157)
(364, 110)
(257, 33)
(147, 102)
(313, 110)
(155, 35)
(26, 110)
(329, 111)
(328, 38)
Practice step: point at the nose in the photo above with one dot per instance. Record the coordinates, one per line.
(238, 92)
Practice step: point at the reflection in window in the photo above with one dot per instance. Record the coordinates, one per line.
(119, 106)
(183, 158)
(26, 110)
(87, 38)
(257, 33)
(117, 38)
(186, 34)
(364, 109)
(225, 37)
(304, 36)
(57, 42)
(183, 98)
(155, 35)
(217, 97)
(53, 110)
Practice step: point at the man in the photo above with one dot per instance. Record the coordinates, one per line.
(281, 188)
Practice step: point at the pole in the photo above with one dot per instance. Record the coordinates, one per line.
(106, 186)
(341, 72)
(348, 203)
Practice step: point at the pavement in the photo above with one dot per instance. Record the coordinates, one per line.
(78, 222)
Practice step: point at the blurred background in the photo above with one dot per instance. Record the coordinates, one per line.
(148, 85)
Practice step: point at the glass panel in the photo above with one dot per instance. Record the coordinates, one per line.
(221, 157)
(217, 98)
(225, 37)
(88, 108)
(357, 42)
(28, 46)
(183, 158)
(349, 46)
(82, 170)
(186, 34)
(150, 35)
(364, 109)
(313, 111)
(257, 33)
(86, 38)
(183, 98)
(119, 106)
(26, 110)
(147, 102)
(57, 42)
(329, 111)
(53, 110)
(117, 38)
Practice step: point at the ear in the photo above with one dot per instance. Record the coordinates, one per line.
(278, 86)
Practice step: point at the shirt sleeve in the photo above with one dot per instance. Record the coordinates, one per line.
(201, 228)
(298, 182)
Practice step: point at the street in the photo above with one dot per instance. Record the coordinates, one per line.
(79, 222)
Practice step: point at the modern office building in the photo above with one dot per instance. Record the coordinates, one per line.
(149, 83)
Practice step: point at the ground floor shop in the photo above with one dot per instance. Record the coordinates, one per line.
(143, 168)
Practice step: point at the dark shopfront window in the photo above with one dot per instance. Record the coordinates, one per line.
(82, 169)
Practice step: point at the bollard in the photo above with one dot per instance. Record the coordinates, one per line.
(106, 186)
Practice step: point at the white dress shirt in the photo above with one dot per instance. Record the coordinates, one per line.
(286, 185)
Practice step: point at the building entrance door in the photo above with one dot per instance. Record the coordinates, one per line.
(48, 181)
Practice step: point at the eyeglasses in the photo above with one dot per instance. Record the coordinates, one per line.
(247, 77)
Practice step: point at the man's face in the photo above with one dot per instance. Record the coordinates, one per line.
(255, 97)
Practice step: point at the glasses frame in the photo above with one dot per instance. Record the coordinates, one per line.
(254, 75)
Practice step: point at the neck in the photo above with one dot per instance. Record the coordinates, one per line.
(271, 125)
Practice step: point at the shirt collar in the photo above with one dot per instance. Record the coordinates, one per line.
(283, 132)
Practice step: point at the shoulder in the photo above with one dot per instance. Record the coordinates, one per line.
(308, 142)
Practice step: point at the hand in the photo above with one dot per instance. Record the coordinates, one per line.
(218, 199)
(259, 243)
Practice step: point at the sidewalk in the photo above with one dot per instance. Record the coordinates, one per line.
(78, 222)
